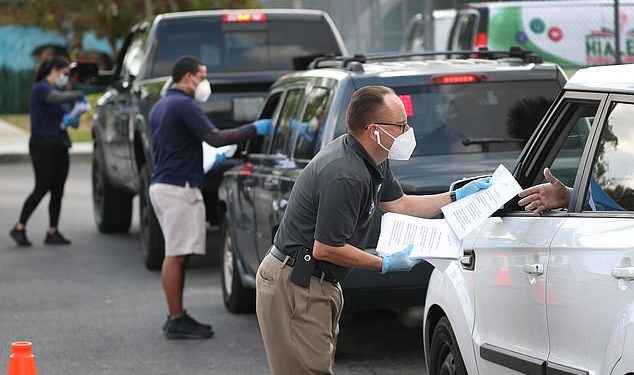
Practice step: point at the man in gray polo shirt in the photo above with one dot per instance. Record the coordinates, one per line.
(325, 228)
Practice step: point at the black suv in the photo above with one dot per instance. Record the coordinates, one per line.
(245, 52)
(469, 115)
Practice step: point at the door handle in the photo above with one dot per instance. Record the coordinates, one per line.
(534, 269)
(626, 273)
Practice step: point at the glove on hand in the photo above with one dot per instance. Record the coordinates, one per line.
(473, 187)
(399, 261)
(69, 120)
(220, 158)
(263, 126)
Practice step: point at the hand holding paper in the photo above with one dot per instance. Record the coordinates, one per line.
(473, 187)
(468, 213)
(399, 261)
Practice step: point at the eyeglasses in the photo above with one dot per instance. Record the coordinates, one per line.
(404, 126)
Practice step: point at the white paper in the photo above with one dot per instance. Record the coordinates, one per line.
(431, 238)
(210, 152)
(468, 213)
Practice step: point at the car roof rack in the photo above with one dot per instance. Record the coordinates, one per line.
(481, 53)
(354, 62)
(331, 60)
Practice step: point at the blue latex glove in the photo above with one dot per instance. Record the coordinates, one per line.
(220, 158)
(71, 121)
(399, 261)
(473, 187)
(263, 126)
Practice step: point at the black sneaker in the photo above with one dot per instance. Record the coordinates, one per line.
(56, 239)
(19, 236)
(183, 328)
(195, 322)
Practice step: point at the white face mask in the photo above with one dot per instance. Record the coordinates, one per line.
(402, 147)
(62, 80)
(203, 91)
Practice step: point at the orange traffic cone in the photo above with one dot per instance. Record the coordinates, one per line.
(22, 361)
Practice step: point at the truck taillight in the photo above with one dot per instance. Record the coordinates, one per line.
(481, 40)
(461, 78)
(243, 17)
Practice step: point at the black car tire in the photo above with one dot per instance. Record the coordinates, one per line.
(237, 297)
(152, 240)
(445, 357)
(112, 208)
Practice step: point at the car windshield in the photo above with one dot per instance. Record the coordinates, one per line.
(239, 47)
(475, 118)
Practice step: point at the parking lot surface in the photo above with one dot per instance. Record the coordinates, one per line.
(92, 308)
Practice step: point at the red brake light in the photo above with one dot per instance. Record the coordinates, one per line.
(481, 40)
(243, 17)
(462, 78)
(407, 103)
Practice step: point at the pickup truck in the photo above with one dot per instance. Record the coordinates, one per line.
(245, 52)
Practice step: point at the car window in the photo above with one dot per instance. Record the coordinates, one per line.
(269, 111)
(239, 47)
(476, 117)
(287, 117)
(134, 56)
(578, 121)
(308, 131)
(611, 185)
(466, 30)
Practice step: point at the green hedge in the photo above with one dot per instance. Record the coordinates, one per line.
(15, 87)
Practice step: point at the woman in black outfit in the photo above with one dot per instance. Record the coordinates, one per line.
(48, 146)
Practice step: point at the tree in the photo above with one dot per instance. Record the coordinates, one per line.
(110, 19)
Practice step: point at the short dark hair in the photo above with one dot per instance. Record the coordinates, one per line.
(364, 105)
(184, 65)
(57, 62)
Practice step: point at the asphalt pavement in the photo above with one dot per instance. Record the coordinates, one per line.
(92, 308)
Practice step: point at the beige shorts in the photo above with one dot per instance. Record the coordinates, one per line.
(181, 213)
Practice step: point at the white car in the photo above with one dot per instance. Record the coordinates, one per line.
(551, 293)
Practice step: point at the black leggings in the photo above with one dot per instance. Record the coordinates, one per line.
(50, 163)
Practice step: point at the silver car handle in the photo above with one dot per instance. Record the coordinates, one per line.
(626, 273)
(534, 269)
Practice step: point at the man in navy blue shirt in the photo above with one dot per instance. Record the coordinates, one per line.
(178, 126)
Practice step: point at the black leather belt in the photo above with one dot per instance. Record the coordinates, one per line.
(279, 255)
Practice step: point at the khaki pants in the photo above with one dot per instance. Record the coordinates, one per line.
(299, 325)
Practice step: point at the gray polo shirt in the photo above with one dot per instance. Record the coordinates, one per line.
(334, 199)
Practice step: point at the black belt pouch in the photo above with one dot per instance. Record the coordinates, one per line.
(304, 267)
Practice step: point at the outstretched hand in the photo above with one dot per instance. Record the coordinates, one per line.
(473, 187)
(399, 261)
(546, 196)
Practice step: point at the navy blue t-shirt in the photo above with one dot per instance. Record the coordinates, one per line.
(46, 117)
(178, 125)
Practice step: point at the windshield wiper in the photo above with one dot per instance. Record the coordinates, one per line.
(485, 142)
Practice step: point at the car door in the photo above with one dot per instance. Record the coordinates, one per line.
(120, 128)
(242, 204)
(591, 275)
(269, 168)
(511, 252)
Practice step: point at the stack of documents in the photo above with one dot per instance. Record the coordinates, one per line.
(442, 238)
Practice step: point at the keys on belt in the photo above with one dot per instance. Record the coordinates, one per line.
(291, 262)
